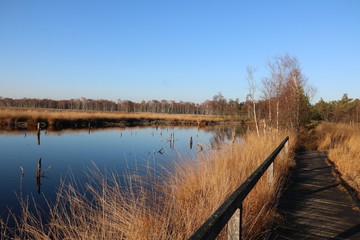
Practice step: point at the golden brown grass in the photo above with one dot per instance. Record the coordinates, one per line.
(171, 209)
(343, 143)
(52, 114)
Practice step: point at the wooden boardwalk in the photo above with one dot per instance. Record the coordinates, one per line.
(315, 205)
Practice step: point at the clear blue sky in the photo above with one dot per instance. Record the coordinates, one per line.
(174, 50)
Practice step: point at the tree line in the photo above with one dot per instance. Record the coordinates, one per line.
(344, 110)
(280, 100)
(216, 106)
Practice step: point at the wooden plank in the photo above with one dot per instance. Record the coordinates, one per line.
(295, 233)
(315, 206)
(334, 202)
(316, 215)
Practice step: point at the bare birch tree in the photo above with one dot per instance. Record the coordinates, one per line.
(286, 91)
(251, 96)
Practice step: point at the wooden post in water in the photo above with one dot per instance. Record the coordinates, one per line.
(38, 169)
(38, 175)
(191, 142)
(38, 133)
(172, 140)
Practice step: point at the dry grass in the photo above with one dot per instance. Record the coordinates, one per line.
(171, 209)
(53, 114)
(343, 143)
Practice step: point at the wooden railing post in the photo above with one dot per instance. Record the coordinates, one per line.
(284, 151)
(235, 225)
(240, 225)
(282, 155)
(270, 174)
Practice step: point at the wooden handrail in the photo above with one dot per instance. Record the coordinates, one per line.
(215, 223)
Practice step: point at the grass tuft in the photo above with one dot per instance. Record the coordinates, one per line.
(342, 141)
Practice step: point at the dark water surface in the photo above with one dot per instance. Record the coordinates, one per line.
(120, 150)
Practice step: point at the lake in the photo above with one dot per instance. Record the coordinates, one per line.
(74, 152)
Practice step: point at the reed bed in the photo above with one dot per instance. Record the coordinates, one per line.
(172, 208)
(52, 114)
(342, 141)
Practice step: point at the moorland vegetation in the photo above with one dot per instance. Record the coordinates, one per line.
(175, 207)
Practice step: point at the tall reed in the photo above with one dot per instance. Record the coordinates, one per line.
(53, 114)
(174, 207)
(343, 143)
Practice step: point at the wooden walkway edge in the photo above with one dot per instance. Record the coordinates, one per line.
(315, 205)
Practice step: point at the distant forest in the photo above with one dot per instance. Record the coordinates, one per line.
(343, 110)
(217, 106)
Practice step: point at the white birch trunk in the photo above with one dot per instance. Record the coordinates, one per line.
(277, 116)
(255, 118)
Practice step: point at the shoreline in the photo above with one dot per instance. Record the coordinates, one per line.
(55, 119)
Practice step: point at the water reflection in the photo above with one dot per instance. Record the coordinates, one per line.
(38, 137)
(40, 174)
(124, 150)
(227, 134)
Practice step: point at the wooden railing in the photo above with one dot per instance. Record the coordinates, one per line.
(233, 204)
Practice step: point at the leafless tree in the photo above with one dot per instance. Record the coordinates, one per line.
(251, 95)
